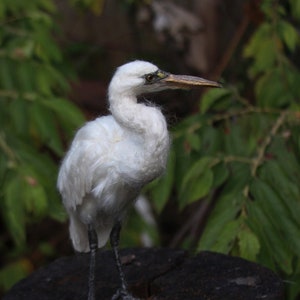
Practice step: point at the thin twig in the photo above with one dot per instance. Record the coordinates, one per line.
(241, 159)
(227, 116)
(258, 160)
(242, 112)
(11, 94)
(221, 66)
(6, 149)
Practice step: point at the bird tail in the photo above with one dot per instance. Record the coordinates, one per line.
(79, 234)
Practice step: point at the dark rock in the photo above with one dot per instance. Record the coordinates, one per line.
(153, 274)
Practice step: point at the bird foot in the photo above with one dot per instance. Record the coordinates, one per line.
(122, 294)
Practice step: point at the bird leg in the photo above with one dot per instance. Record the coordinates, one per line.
(121, 293)
(93, 243)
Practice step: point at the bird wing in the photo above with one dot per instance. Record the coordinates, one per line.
(88, 164)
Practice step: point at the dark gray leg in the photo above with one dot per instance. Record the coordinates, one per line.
(93, 242)
(122, 293)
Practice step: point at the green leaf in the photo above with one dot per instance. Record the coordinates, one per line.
(288, 231)
(227, 236)
(235, 141)
(40, 164)
(55, 208)
(197, 181)
(238, 178)
(221, 173)
(276, 211)
(198, 187)
(223, 240)
(212, 140)
(161, 188)
(222, 227)
(295, 8)
(190, 123)
(261, 49)
(286, 158)
(249, 244)
(24, 79)
(213, 96)
(6, 74)
(193, 141)
(45, 124)
(288, 34)
(36, 199)
(44, 169)
(271, 95)
(48, 6)
(68, 114)
(287, 189)
(14, 209)
(44, 82)
(18, 111)
(3, 169)
(45, 48)
(34, 195)
(269, 235)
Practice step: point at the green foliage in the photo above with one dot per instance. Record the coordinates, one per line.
(197, 181)
(161, 188)
(34, 119)
(239, 154)
(242, 154)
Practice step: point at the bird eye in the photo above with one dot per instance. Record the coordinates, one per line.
(149, 78)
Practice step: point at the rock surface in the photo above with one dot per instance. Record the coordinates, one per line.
(153, 274)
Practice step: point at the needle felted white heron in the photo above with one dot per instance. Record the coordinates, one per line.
(113, 157)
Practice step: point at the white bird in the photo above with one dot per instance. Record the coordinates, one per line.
(113, 157)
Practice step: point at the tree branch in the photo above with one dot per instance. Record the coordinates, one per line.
(258, 160)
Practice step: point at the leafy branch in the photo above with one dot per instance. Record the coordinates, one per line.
(10, 94)
(244, 201)
(34, 116)
(258, 160)
(6, 149)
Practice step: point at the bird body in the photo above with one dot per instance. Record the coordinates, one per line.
(113, 157)
(109, 161)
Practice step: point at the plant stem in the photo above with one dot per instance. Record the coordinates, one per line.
(258, 160)
(6, 149)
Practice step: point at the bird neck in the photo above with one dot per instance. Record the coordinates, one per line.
(139, 118)
(146, 127)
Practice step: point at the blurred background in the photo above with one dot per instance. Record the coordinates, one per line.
(232, 183)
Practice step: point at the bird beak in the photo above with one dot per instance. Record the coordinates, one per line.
(186, 81)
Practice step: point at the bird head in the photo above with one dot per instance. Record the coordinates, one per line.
(141, 77)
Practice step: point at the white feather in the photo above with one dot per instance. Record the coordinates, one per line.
(113, 157)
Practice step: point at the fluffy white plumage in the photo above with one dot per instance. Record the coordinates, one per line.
(113, 157)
